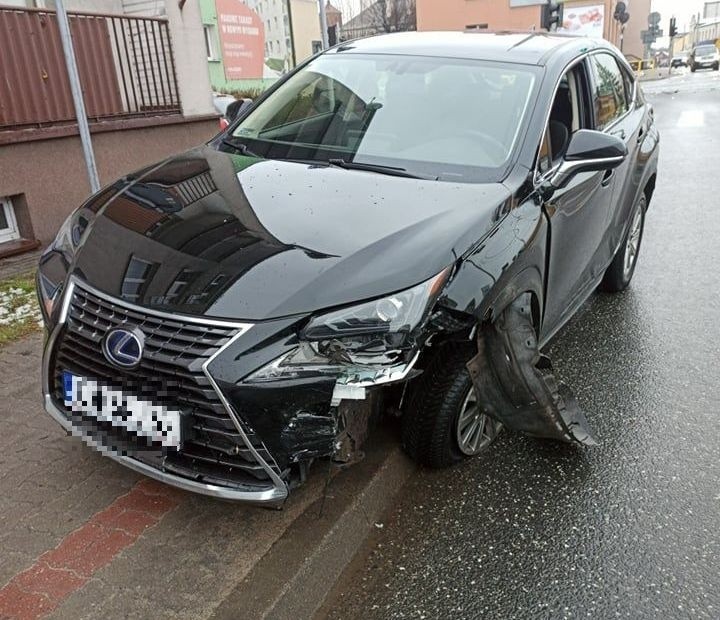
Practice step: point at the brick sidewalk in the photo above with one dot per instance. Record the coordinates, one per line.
(83, 537)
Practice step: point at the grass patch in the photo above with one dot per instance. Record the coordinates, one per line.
(19, 310)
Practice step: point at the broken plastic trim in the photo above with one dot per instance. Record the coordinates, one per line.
(351, 383)
(351, 379)
(515, 384)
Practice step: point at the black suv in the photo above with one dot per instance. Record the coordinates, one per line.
(400, 224)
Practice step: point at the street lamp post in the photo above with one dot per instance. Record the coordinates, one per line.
(76, 90)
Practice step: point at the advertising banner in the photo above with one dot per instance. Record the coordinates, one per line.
(587, 21)
(242, 40)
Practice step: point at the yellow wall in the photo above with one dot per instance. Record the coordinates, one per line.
(306, 27)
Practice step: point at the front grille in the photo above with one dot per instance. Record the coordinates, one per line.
(213, 450)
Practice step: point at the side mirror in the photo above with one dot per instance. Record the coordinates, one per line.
(588, 151)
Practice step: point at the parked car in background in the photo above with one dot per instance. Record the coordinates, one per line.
(400, 224)
(221, 103)
(681, 60)
(704, 57)
(230, 108)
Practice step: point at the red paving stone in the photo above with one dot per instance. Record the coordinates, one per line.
(53, 583)
(16, 604)
(59, 572)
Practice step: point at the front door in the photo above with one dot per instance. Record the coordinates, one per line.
(577, 213)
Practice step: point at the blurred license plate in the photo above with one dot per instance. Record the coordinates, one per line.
(106, 404)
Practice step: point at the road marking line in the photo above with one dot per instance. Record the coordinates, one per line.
(58, 573)
(691, 118)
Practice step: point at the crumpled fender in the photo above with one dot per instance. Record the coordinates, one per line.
(515, 383)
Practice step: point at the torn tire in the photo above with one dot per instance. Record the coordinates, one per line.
(515, 383)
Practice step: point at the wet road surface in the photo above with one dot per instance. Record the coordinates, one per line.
(630, 528)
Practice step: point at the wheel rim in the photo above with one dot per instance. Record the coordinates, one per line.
(474, 430)
(632, 246)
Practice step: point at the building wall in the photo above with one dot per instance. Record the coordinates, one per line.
(459, 14)
(499, 15)
(305, 26)
(50, 175)
(188, 42)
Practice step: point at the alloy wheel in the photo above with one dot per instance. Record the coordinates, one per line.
(474, 430)
(632, 246)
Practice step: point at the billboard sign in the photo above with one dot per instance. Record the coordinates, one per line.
(242, 40)
(587, 21)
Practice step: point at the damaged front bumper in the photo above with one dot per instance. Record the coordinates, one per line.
(249, 442)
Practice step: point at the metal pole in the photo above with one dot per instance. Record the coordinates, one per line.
(76, 89)
(323, 25)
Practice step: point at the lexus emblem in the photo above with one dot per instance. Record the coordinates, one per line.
(124, 346)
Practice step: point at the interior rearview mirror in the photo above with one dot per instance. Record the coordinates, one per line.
(588, 151)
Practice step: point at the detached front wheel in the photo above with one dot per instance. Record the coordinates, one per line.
(443, 423)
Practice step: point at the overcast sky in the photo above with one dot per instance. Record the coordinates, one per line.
(681, 9)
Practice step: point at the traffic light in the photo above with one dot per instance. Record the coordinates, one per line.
(621, 13)
(552, 15)
(673, 27)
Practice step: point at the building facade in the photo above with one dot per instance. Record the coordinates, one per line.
(250, 43)
(146, 89)
(590, 17)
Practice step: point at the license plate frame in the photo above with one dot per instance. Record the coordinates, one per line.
(159, 424)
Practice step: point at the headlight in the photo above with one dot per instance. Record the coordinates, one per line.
(69, 234)
(372, 340)
(398, 313)
(55, 262)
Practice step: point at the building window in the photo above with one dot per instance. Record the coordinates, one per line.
(137, 276)
(8, 224)
(210, 42)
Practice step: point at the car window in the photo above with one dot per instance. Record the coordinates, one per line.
(629, 83)
(609, 93)
(455, 119)
(705, 50)
(568, 114)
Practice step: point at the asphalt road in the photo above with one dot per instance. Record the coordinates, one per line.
(627, 529)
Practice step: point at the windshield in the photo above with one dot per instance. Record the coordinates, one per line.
(452, 119)
(705, 50)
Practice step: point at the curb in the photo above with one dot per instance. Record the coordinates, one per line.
(295, 576)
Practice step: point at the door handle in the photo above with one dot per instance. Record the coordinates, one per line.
(608, 177)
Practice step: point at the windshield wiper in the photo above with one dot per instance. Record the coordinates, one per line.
(389, 170)
(239, 146)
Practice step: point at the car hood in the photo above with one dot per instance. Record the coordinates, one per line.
(215, 234)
